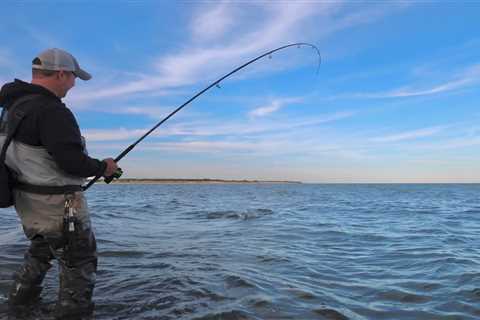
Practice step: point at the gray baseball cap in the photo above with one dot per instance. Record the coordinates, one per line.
(57, 59)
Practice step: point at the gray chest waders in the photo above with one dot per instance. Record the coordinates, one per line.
(64, 235)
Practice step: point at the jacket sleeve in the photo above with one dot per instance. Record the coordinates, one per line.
(60, 134)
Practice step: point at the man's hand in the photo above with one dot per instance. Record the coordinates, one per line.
(111, 167)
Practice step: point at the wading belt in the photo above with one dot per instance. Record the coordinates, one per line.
(47, 189)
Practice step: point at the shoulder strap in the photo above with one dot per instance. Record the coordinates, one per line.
(16, 113)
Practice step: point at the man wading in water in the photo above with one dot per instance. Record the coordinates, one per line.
(49, 158)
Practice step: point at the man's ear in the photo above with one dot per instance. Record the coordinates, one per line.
(60, 74)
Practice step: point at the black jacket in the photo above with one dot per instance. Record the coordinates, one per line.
(52, 125)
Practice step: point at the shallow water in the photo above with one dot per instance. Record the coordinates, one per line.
(275, 251)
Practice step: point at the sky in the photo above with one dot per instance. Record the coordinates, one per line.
(396, 98)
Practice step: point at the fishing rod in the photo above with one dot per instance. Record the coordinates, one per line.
(216, 84)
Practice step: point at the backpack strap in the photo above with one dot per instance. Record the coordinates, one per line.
(16, 113)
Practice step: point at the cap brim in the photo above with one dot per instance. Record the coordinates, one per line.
(82, 74)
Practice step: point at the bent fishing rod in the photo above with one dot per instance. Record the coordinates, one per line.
(213, 84)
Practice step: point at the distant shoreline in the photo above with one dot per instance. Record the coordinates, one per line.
(199, 181)
(246, 181)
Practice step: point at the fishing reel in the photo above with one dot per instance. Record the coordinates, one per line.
(116, 175)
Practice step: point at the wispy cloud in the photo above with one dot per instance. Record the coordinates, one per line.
(413, 92)
(359, 16)
(195, 63)
(258, 127)
(410, 135)
(112, 134)
(277, 23)
(212, 23)
(468, 77)
(451, 144)
(296, 144)
(273, 106)
(151, 112)
(217, 128)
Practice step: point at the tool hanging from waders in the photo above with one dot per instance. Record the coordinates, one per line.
(214, 84)
(69, 225)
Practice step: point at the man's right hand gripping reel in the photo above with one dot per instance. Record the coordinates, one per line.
(116, 175)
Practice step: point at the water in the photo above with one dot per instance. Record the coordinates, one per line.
(275, 251)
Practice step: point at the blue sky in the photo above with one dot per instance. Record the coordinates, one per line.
(396, 98)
